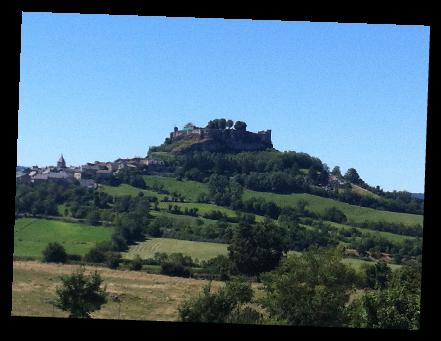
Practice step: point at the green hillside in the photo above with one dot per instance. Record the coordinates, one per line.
(355, 213)
(366, 232)
(191, 189)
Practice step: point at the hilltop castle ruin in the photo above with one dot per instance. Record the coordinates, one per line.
(216, 139)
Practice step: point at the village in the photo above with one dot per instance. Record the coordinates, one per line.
(87, 174)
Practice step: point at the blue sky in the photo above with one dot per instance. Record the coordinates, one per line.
(100, 87)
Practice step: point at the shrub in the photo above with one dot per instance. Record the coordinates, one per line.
(113, 259)
(217, 307)
(72, 257)
(174, 269)
(335, 215)
(54, 253)
(136, 264)
(95, 255)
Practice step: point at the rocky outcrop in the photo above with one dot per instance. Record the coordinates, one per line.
(218, 140)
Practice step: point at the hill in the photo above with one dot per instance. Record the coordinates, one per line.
(192, 189)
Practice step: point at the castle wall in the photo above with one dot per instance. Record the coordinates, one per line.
(217, 139)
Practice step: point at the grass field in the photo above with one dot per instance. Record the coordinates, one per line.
(387, 235)
(364, 192)
(31, 236)
(125, 189)
(143, 296)
(205, 208)
(199, 250)
(190, 190)
(357, 263)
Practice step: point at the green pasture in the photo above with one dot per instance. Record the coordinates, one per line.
(319, 205)
(31, 236)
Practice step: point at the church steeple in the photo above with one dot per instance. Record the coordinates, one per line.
(61, 163)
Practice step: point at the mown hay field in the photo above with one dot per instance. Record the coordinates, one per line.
(199, 250)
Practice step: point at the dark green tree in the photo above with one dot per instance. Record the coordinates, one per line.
(96, 254)
(230, 124)
(80, 295)
(392, 308)
(256, 249)
(352, 176)
(310, 290)
(222, 123)
(93, 217)
(136, 263)
(337, 172)
(241, 126)
(378, 275)
(113, 259)
(335, 215)
(54, 253)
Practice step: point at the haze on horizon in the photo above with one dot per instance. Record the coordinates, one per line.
(99, 87)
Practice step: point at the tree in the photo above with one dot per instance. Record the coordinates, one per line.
(336, 172)
(54, 253)
(335, 215)
(113, 259)
(230, 124)
(136, 264)
(218, 265)
(93, 217)
(96, 254)
(223, 191)
(352, 176)
(256, 249)
(222, 123)
(241, 126)
(310, 290)
(393, 308)
(377, 276)
(301, 206)
(216, 307)
(80, 295)
(174, 269)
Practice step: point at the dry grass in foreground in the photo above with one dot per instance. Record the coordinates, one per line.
(144, 296)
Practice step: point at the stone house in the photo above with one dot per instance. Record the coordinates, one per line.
(88, 183)
(40, 178)
(103, 173)
(21, 177)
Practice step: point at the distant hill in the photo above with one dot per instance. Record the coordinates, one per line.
(20, 168)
